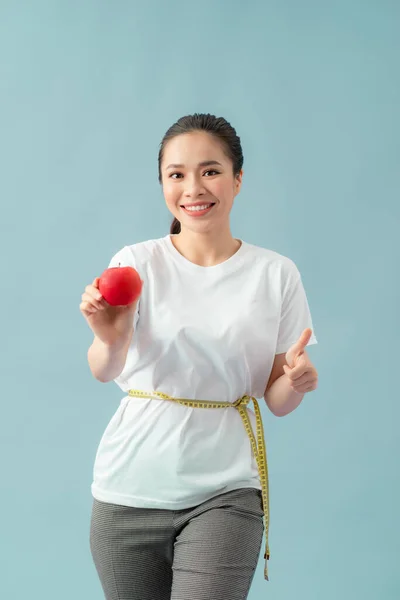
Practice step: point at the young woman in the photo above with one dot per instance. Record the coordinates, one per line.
(180, 479)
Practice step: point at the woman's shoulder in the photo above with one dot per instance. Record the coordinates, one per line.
(140, 252)
(147, 246)
(271, 258)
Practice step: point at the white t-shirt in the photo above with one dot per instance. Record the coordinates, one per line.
(205, 333)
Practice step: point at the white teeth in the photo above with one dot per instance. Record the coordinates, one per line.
(194, 208)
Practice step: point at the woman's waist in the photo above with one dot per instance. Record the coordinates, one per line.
(181, 387)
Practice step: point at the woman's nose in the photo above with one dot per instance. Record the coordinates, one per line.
(193, 187)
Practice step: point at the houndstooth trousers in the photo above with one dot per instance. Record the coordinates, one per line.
(206, 552)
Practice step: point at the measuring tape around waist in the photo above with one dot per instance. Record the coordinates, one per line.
(258, 451)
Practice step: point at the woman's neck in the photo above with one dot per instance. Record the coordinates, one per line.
(206, 249)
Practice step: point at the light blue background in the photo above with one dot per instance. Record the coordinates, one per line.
(313, 88)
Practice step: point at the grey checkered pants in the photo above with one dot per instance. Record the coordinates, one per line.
(207, 552)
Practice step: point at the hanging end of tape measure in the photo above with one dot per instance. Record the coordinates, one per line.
(266, 571)
(266, 558)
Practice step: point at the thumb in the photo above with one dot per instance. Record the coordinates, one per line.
(298, 348)
(303, 341)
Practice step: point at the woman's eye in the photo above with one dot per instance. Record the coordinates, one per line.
(172, 176)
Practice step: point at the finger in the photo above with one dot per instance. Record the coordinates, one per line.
(96, 282)
(288, 371)
(303, 365)
(302, 380)
(303, 341)
(307, 387)
(307, 390)
(295, 373)
(87, 309)
(300, 372)
(94, 292)
(97, 304)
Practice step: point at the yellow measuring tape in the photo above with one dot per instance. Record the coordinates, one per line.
(259, 452)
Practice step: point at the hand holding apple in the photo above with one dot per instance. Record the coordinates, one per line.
(110, 316)
(120, 286)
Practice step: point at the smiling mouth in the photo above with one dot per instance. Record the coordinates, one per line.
(197, 209)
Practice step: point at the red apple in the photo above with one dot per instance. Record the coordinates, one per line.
(120, 286)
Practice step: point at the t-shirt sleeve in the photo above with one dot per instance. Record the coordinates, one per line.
(124, 258)
(295, 313)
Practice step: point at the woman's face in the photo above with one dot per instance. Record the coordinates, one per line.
(196, 172)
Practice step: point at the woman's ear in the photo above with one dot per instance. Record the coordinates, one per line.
(238, 182)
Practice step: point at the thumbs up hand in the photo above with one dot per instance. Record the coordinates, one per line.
(299, 369)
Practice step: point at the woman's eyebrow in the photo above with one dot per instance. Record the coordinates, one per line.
(205, 163)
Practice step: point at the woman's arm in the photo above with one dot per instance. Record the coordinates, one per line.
(106, 361)
(280, 398)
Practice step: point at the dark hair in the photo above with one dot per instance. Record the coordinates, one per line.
(216, 126)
